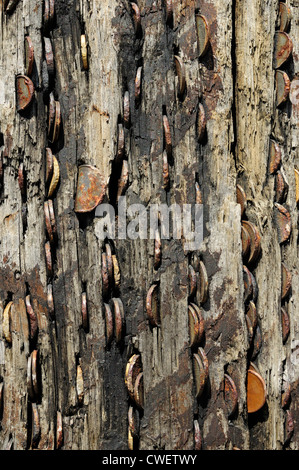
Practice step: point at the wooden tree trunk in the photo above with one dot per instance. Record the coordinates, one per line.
(235, 82)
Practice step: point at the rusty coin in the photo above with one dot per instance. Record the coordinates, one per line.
(48, 259)
(133, 369)
(286, 281)
(165, 171)
(55, 177)
(105, 277)
(32, 318)
(199, 375)
(123, 180)
(283, 223)
(152, 305)
(275, 156)
(284, 16)
(200, 318)
(192, 280)
(230, 395)
(133, 419)
(24, 92)
(255, 240)
(157, 250)
(6, 322)
(119, 320)
(281, 187)
(245, 242)
(108, 324)
(91, 189)
(84, 55)
(285, 324)
(109, 264)
(203, 34)
(283, 47)
(202, 283)
(257, 342)
(180, 70)
(49, 56)
(35, 372)
(138, 79)
(194, 327)
(80, 384)
(248, 286)
(256, 391)
(139, 391)
(282, 87)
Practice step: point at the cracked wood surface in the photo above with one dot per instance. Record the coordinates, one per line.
(234, 81)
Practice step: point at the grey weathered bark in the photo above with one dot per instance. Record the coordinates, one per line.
(235, 82)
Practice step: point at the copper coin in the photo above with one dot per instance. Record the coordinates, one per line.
(192, 280)
(24, 92)
(123, 180)
(126, 109)
(194, 327)
(248, 287)
(203, 34)
(119, 319)
(49, 56)
(201, 123)
(165, 171)
(251, 312)
(255, 240)
(256, 391)
(133, 368)
(180, 70)
(286, 281)
(32, 318)
(138, 394)
(230, 395)
(48, 259)
(57, 122)
(202, 283)
(49, 165)
(200, 376)
(245, 242)
(275, 156)
(285, 324)
(48, 221)
(284, 16)
(133, 419)
(283, 223)
(157, 250)
(35, 371)
(52, 218)
(281, 187)
(283, 85)
(201, 325)
(109, 324)
(152, 305)
(138, 85)
(109, 264)
(283, 47)
(51, 114)
(167, 136)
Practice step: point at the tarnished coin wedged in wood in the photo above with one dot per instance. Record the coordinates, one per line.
(284, 16)
(136, 18)
(133, 419)
(165, 171)
(194, 327)
(116, 271)
(286, 281)
(22, 179)
(84, 311)
(281, 187)
(109, 264)
(192, 280)
(204, 360)
(133, 369)
(105, 277)
(91, 189)
(24, 92)
(167, 136)
(30, 390)
(203, 34)
(202, 283)
(59, 430)
(120, 143)
(84, 55)
(245, 242)
(248, 286)
(119, 318)
(48, 221)
(282, 87)
(33, 325)
(197, 436)
(49, 56)
(285, 324)
(29, 56)
(6, 322)
(157, 250)
(35, 372)
(139, 391)
(199, 375)
(80, 384)
(283, 223)
(48, 254)
(275, 156)
(297, 184)
(152, 305)
(257, 342)
(283, 47)
(181, 73)
(52, 219)
(201, 123)
(230, 395)
(55, 177)
(57, 122)
(108, 323)
(138, 85)
(241, 198)
(251, 312)
(286, 396)
(255, 240)
(256, 391)
(201, 324)
(249, 328)
(49, 165)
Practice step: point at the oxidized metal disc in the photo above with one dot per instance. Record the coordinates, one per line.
(282, 87)
(245, 242)
(248, 287)
(24, 92)
(281, 187)
(256, 391)
(241, 199)
(201, 323)
(203, 34)
(284, 16)
(255, 240)
(133, 369)
(286, 281)
(230, 395)
(84, 54)
(285, 324)
(91, 189)
(138, 394)
(202, 283)
(283, 223)
(180, 70)
(152, 305)
(108, 323)
(275, 157)
(257, 342)
(200, 375)
(283, 47)
(201, 123)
